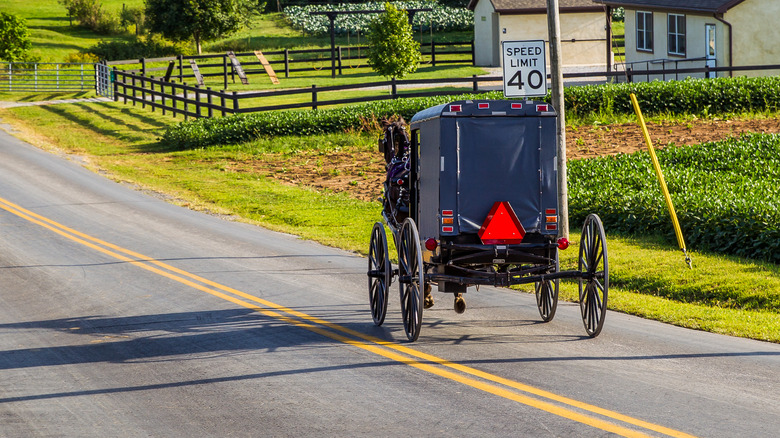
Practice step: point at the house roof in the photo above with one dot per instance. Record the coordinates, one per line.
(539, 6)
(707, 6)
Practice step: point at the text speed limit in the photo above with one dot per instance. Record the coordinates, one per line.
(525, 68)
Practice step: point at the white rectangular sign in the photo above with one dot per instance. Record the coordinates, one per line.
(525, 68)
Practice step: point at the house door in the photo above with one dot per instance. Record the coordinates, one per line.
(711, 51)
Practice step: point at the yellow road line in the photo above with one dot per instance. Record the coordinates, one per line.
(371, 344)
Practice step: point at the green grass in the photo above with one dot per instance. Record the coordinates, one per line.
(648, 277)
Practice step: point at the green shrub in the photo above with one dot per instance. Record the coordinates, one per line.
(153, 46)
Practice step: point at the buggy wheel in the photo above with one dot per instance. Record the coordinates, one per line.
(547, 298)
(380, 273)
(411, 278)
(594, 275)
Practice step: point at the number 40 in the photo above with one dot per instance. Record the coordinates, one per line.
(535, 79)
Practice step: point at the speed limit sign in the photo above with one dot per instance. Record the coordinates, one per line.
(525, 68)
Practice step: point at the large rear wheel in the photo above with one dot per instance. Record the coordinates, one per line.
(379, 273)
(411, 279)
(594, 275)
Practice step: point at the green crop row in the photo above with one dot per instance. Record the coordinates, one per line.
(691, 96)
(694, 96)
(441, 18)
(725, 193)
(240, 128)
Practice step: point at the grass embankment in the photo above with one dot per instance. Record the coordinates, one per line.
(648, 276)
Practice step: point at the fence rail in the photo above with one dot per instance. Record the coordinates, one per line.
(22, 76)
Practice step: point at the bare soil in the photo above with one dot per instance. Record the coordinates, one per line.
(360, 172)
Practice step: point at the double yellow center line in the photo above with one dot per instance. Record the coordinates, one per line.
(565, 407)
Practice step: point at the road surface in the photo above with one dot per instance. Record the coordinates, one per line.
(123, 315)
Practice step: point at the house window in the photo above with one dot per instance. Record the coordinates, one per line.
(676, 34)
(644, 31)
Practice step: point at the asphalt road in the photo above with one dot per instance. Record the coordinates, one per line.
(123, 315)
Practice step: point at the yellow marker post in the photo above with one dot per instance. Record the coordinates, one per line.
(657, 166)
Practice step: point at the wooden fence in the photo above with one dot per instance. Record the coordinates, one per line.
(196, 101)
(182, 68)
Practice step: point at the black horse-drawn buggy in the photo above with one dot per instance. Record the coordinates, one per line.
(471, 198)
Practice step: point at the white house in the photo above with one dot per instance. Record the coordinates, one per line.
(695, 33)
(583, 36)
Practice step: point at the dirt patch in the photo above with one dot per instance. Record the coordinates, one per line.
(361, 172)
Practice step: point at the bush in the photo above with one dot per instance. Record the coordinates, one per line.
(152, 46)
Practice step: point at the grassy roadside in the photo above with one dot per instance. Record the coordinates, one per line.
(122, 141)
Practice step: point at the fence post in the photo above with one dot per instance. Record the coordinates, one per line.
(162, 96)
(433, 53)
(209, 100)
(393, 88)
(235, 102)
(339, 60)
(629, 76)
(197, 101)
(286, 63)
(473, 58)
(313, 96)
(143, 92)
(474, 81)
(181, 68)
(184, 100)
(222, 101)
(115, 84)
(134, 95)
(151, 90)
(224, 71)
(143, 66)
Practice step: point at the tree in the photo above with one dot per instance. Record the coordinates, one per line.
(201, 20)
(14, 38)
(392, 52)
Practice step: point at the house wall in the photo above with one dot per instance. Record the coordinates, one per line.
(579, 26)
(756, 35)
(754, 40)
(660, 56)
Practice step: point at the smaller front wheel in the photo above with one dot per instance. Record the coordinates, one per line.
(379, 273)
(547, 298)
(594, 275)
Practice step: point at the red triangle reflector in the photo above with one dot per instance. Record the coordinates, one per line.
(501, 226)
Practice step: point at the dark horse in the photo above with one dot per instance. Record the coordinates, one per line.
(395, 145)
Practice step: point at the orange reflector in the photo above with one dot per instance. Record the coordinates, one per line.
(552, 219)
(447, 220)
(501, 226)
